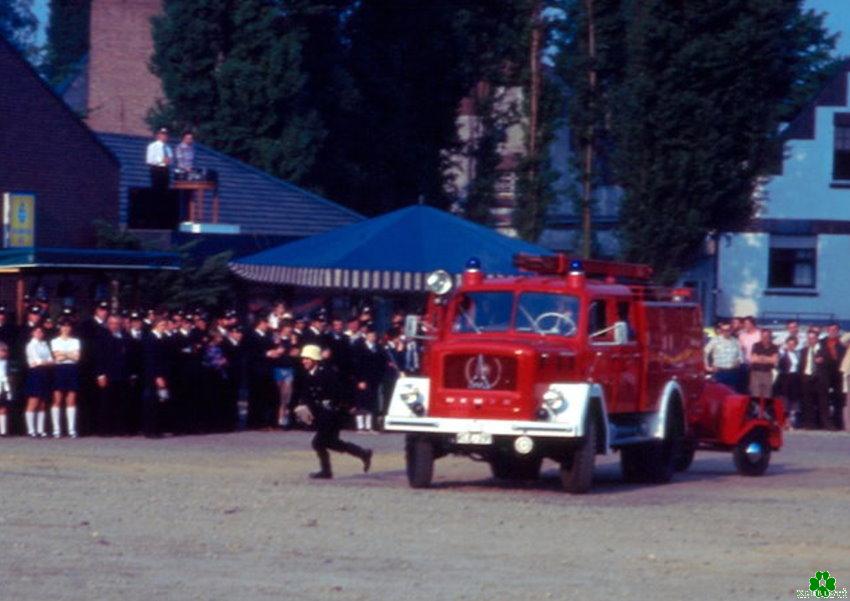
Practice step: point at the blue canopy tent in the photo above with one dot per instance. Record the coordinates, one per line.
(392, 252)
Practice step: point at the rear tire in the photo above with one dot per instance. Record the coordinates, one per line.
(506, 467)
(577, 467)
(419, 455)
(685, 458)
(656, 461)
(747, 464)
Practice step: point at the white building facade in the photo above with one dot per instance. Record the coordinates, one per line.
(794, 260)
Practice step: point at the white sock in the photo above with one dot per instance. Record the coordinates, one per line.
(4, 425)
(368, 421)
(56, 420)
(71, 416)
(39, 421)
(29, 416)
(359, 419)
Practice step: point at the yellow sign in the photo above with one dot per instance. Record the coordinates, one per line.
(18, 220)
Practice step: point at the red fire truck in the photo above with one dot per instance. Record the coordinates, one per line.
(575, 359)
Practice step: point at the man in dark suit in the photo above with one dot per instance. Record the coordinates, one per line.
(830, 396)
(89, 331)
(316, 389)
(156, 366)
(809, 381)
(233, 349)
(260, 353)
(369, 365)
(111, 371)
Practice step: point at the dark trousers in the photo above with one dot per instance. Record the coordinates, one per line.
(159, 179)
(327, 439)
(263, 398)
(112, 409)
(151, 421)
(815, 403)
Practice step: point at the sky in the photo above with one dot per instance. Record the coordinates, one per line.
(837, 20)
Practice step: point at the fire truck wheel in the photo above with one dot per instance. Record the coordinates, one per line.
(685, 458)
(515, 468)
(752, 454)
(419, 453)
(577, 467)
(656, 461)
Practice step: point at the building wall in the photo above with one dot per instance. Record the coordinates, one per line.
(807, 175)
(47, 150)
(743, 280)
(121, 87)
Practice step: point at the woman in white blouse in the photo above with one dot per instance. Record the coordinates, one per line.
(40, 363)
(66, 379)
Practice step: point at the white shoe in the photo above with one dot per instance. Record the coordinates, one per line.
(72, 435)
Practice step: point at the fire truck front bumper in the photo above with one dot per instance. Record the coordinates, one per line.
(408, 412)
(471, 429)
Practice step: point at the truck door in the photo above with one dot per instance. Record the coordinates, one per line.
(626, 361)
(600, 336)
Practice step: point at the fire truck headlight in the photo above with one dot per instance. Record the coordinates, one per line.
(439, 282)
(554, 401)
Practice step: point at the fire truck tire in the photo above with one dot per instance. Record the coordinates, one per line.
(656, 461)
(419, 452)
(577, 467)
(515, 468)
(686, 457)
(752, 463)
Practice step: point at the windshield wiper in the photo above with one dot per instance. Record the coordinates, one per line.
(470, 321)
(531, 321)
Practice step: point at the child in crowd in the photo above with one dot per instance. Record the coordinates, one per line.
(5, 390)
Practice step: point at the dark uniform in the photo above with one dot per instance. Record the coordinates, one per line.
(233, 350)
(156, 363)
(262, 392)
(111, 360)
(317, 390)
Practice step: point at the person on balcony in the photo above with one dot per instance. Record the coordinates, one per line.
(159, 157)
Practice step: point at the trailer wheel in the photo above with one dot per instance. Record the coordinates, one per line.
(419, 454)
(577, 467)
(656, 461)
(515, 468)
(752, 454)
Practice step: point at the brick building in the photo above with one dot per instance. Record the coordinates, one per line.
(120, 87)
(45, 149)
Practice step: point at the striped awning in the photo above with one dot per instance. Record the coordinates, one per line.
(344, 279)
(390, 253)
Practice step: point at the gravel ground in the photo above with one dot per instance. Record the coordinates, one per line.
(234, 517)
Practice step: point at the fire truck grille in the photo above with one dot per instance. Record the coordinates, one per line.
(480, 372)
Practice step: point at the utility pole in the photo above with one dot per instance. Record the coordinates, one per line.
(587, 175)
(534, 106)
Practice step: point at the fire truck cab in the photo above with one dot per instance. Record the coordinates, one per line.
(575, 359)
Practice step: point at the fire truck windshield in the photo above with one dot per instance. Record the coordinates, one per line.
(537, 312)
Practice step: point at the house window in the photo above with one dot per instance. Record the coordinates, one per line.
(793, 262)
(841, 158)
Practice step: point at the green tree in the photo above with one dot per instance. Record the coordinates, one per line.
(67, 38)
(686, 103)
(232, 72)
(698, 113)
(18, 25)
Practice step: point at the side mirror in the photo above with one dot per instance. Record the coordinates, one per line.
(411, 326)
(621, 332)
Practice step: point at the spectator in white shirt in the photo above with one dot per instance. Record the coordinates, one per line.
(158, 157)
(66, 380)
(40, 362)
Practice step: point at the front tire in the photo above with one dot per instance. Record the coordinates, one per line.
(419, 455)
(748, 460)
(577, 467)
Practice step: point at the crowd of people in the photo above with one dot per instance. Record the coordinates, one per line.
(809, 371)
(116, 373)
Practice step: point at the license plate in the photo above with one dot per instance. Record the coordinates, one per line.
(474, 438)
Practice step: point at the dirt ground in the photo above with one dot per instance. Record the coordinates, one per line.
(234, 517)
